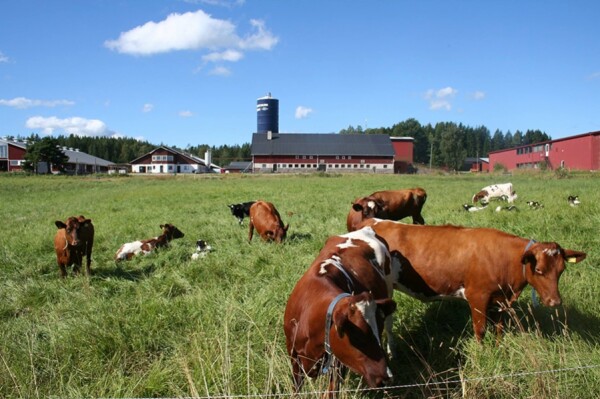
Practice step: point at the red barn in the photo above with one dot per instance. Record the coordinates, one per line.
(581, 152)
(403, 150)
(11, 155)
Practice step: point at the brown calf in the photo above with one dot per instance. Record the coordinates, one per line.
(485, 267)
(337, 310)
(129, 250)
(73, 240)
(392, 204)
(267, 222)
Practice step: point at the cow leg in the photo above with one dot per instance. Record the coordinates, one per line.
(62, 270)
(391, 344)
(77, 262)
(336, 374)
(251, 230)
(497, 318)
(297, 373)
(479, 315)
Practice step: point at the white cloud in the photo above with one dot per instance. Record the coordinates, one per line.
(595, 75)
(189, 31)
(478, 95)
(75, 125)
(220, 71)
(303, 112)
(186, 114)
(3, 58)
(440, 99)
(22, 103)
(148, 108)
(227, 55)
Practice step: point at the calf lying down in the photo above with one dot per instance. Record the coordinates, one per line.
(129, 250)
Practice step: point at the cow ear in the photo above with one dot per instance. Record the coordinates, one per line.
(286, 228)
(162, 226)
(387, 306)
(528, 257)
(574, 256)
(60, 224)
(357, 207)
(340, 318)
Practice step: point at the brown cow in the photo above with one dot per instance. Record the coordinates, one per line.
(73, 240)
(130, 249)
(337, 308)
(265, 218)
(392, 204)
(485, 267)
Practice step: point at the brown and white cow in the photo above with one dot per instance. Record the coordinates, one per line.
(337, 310)
(129, 250)
(391, 204)
(74, 240)
(498, 191)
(265, 218)
(486, 267)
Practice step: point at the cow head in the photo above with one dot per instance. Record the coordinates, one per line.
(480, 195)
(279, 234)
(543, 264)
(369, 207)
(171, 231)
(358, 322)
(71, 227)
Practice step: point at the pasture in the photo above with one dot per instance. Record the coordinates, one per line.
(164, 325)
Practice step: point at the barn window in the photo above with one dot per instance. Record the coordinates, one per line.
(3, 151)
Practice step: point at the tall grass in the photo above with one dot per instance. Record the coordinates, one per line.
(164, 325)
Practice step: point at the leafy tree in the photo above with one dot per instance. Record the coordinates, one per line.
(46, 150)
(452, 145)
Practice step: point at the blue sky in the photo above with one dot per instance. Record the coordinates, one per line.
(183, 72)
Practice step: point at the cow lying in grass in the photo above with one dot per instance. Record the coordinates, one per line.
(496, 191)
(129, 250)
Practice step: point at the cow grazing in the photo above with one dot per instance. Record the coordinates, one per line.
(241, 210)
(485, 267)
(129, 250)
(392, 204)
(573, 200)
(535, 204)
(496, 191)
(74, 240)
(265, 218)
(202, 249)
(473, 208)
(337, 309)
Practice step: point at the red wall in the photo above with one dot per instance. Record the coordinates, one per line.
(403, 151)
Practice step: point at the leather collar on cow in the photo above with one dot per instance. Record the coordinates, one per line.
(328, 353)
(534, 299)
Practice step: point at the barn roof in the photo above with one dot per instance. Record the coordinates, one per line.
(322, 144)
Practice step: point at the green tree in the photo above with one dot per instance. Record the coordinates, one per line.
(452, 145)
(46, 150)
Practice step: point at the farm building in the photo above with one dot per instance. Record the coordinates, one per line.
(581, 152)
(238, 167)
(167, 160)
(403, 150)
(301, 152)
(12, 154)
(474, 164)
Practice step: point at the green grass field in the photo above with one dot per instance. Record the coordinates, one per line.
(166, 326)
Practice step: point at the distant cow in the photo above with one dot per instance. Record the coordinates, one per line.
(241, 210)
(498, 191)
(265, 218)
(74, 240)
(485, 267)
(535, 204)
(473, 208)
(391, 204)
(508, 208)
(573, 200)
(337, 310)
(202, 249)
(129, 250)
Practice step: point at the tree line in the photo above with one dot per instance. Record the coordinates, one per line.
(443, 144)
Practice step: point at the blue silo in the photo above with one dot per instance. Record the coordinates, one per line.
(267, 114)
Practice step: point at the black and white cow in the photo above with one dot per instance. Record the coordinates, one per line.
(202, 249)
(506, 208)
(473, 208)
(535, 204)
(573, 200)
(241, 210)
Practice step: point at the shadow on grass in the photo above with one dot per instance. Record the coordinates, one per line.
(124, 273)
(299, 237)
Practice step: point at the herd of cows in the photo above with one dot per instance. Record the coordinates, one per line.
(338, 310)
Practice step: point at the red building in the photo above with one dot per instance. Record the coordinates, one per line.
(11, 155)
(581, 152)
(403, 150)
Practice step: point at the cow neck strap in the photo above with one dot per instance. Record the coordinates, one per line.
(529, 244)
(328, 318)
(534, 299)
